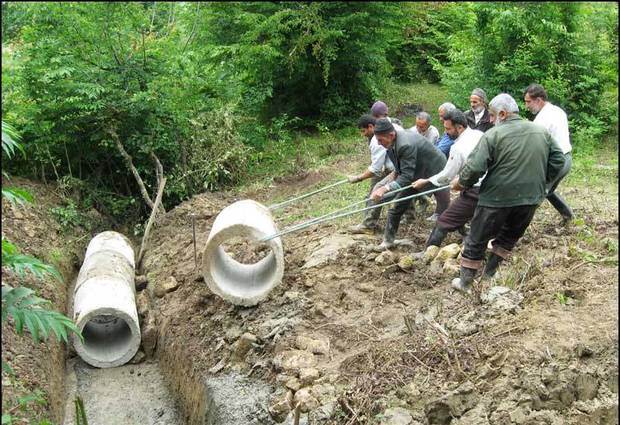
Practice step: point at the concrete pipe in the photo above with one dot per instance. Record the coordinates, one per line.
(242, 284)
(104, 303)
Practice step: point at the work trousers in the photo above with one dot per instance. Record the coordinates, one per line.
(505, 224)
(460, 211)
(395, 213)
(371, 217)
(555, 199)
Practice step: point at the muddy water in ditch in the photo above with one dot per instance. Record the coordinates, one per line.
(124, 395)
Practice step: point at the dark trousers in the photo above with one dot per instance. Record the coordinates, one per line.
(555, 199)
(506, 225)
(398, 209)
(460, 211)
(372, 216)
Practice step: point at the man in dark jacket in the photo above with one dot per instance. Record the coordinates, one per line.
(478, 115)
(413, 158)
(519, 157)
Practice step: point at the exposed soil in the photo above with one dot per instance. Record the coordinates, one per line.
(34, 231)
(356, 339)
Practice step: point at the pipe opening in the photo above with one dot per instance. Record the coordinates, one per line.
(107, 338)
(245, 251)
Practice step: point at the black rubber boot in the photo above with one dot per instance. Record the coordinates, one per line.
(437, 236)
(462, 231)
(492, 263)
(463, 283)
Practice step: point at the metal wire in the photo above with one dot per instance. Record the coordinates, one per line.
(281, 204)
(331, 216)
(363, 201)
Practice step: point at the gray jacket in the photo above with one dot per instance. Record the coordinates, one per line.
(414, 158)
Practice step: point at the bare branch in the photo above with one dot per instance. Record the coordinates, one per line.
(160, 192)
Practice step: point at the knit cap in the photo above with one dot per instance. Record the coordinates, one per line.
(481, 94)
(379, 108)
(383, 125)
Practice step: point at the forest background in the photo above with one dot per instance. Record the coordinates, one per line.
(227, 93)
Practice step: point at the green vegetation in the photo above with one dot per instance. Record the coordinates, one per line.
(224, 94)
(19, 303)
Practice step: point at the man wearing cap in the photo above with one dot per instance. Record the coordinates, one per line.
(413, 158)
(461, 210)
(518, 157)
(380, 167)
(478, 115)
(555, 121)
(380, 110)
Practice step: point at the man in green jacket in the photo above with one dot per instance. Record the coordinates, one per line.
(519, 157)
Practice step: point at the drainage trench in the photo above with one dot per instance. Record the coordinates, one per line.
(109, 371)
(126, 371)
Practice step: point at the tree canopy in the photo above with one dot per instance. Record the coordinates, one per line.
(207, 87)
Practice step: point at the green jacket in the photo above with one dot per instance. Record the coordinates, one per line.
(519, 158)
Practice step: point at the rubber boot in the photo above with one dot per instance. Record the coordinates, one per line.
(437, 236)
(463, 283)
(492, 263)
(389, 234)
(462, 230)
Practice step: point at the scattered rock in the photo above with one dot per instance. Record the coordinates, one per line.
(586, 386)
(396, 416)
(233, 333)
(243, 345)
(141, 282)
(294, 360)
(436, 268)
(305, 400)
(329, 250)
(430, 253)
(406, 262)
(454, 404)
(218, 366)
(168, 285)
(324, 393)
(291, 295)
(308, 375)
(280, 404)
(323, 413)
(464, 325)
(142, 304)
(385, 258)
(149, 337)
(315, 346)
(476, 416)
(502, 298)
(451, 268)
(292, 383)
(138, 358)
(447, 252)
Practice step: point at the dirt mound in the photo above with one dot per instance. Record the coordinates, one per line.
(541, 350)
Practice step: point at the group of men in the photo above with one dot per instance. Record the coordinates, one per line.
(503, 166)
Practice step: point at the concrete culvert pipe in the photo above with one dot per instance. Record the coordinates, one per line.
(104, 303)
(234, 281)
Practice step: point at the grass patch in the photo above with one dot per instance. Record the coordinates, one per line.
(427, 96)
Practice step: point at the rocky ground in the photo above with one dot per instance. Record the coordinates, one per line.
(355, 336)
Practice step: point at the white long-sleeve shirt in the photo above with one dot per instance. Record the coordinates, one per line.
(459, 152)
(431, 134)
(554, 119)
(378, 155)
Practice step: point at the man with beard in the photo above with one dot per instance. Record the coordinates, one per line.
(519, 158)
(461, 210)
(478, 115)
(555, 121)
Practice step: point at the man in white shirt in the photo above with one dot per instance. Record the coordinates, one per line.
(461, 210)
(555, 121)
(424, 128)
(380, 167)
